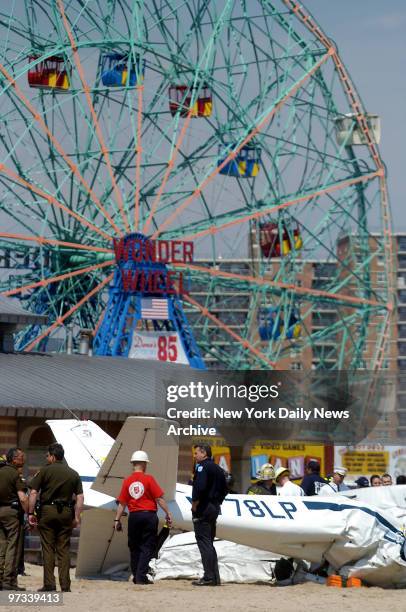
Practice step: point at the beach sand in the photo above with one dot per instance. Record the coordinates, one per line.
(171, 595)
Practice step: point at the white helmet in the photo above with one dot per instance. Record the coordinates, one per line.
(139, 456)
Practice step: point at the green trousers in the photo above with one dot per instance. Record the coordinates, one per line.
(55, 529)
(9, 533)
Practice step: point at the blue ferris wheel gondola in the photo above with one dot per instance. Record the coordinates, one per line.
(120, 70)
(245, 164)
(271, 325)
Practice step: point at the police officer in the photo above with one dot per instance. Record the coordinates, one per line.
(312, 481)
(141, 493)
(208, 493)
(16, 457)
(57, 484)
(265, 484)
(13, 500)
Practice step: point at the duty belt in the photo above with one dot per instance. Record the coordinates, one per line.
(60, 504)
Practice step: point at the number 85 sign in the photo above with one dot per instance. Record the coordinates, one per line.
(157, 346)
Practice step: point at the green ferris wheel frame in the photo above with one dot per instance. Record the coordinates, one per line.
(92, 162)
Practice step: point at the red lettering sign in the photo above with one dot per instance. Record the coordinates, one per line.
(144, 251)
(152, 281)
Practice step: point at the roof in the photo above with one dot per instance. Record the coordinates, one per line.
(41, 384)
(11, 311)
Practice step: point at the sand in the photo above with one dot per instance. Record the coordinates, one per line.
(101, 595)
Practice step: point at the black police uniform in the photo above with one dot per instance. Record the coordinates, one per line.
(209, 489)
(312, 483)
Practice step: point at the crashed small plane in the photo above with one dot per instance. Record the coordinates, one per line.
(356, 537)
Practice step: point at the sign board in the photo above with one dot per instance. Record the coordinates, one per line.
(368, 459)
(293, 455)
(157, 346)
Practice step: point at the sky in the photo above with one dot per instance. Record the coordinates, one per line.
(370, 37)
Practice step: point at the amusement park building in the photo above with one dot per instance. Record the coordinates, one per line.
(40, 386)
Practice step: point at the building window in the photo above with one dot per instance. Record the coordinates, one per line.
(296, 365)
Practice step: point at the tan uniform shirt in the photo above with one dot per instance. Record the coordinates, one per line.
(57, 481)
(10, 483)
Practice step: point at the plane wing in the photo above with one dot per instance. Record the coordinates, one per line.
(354, 535)
(141, 433)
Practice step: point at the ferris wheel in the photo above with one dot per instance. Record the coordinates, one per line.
(230, 125)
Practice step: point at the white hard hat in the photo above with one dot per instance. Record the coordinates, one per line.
(139, 456)
(340, 470)
(281, 470)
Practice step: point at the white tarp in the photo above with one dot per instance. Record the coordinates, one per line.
(391, 499)
(179, 557)
(355, 538)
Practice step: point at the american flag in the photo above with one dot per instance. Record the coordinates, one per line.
(154, 308)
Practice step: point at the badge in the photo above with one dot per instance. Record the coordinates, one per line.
(200, 468)
(136, 490)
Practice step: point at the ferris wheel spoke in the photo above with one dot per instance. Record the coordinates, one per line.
(56, 279)
(56, 145)
(204, 60)
(86, 89)
(50, 199)
(35, 209)
(345, 321)
(348, 300)
(138, 149)
(12, 155)
(71, 311)
(54, 242)
(170, 165)
(309, 23)
(241, 217)
(231, 156)
(243, 341)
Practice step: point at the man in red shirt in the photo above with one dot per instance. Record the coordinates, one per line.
(141, 493)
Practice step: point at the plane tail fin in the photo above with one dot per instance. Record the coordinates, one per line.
(149, 434)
